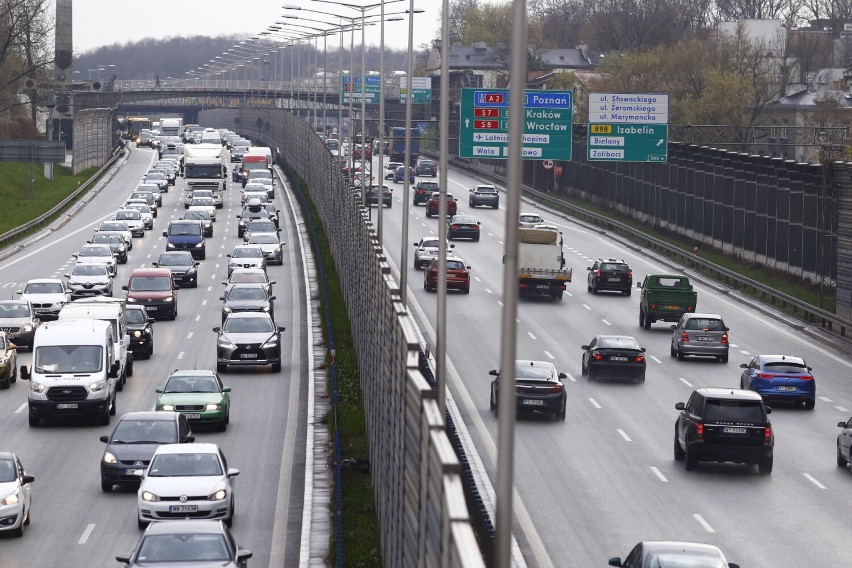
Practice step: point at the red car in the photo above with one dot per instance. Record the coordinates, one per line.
(368, 153)
(458, 275)
(435, 200)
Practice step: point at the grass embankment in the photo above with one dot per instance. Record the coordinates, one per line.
(25, 193)
(361, 535)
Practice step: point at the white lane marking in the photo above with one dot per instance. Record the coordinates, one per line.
(624, 435)
(594, 403)
(659, 474)
(744, 352)
(703, 523)
(734, 346)
(569, 293)
(21, 408)
(657, 360)
(810, 478)
(489, 290)
(500, 242)
(587, 307)
(180, 355)
(549, 354)
(842, 408)
(189, 335)
(203, 302)
(85, 536)
(500, 303)
(825, 399)
(687, 383)
(531, 335)
(213, 277)
(477, 278)
(198, 317)
(571, 377)
(606, 322)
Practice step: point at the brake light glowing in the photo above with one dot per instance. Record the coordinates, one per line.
(807, 378)
(597, 356)
(724, 338)
(557, 388)
(699, 430)
(454, 226)
(767, 433)
(684, 336)
(640, 358)
(765, 376)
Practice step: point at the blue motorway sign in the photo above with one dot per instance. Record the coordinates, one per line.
(350, 87)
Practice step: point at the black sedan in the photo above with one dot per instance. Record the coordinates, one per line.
(251, 297)
(182, 265)
(463, 227)
(614, 356)
(248, 338)
(192, 542)
(204, 217)
(538, 388)
(115, 242)
(140, 327)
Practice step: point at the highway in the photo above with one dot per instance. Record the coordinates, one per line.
(73, 522)
(591, 487)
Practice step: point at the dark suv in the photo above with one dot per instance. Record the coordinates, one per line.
(610, 274)
(424, 190)
(724, 425)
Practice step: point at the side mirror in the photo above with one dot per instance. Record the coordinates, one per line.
(124, 287)
(272, 297)
(841, 424)
(493, 372)
(155, 264)
(222, 298)
(243, 555)
(743, 365)
(226, 389)
(584, 347)
(233, 472)
(452, 246)
(25, 373)
(615, 561)
(188, 439)
(673, 327)
(165, 233)
(124, 558)
(196, 263)
(113, 369)
(104, 439)
(768, 410)
(217, 329)
(680, 406)
(67, 276)
(158, 391)
(281, 328)
(18, 292)
(643, 349)
(563, 376)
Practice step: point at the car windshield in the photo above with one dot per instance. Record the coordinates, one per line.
(175, 259)
(43, 288)
(484, 189)
(464, 219)
(114, 227)
(197, 215)
(93, 251)
(155, 175)
(202, 201)
(530, 219)
(191, 384)
(8, 471)
(184, 230)
(185, 465)
(68, 359)
(534, 372)
(193, 548)
(248, 325)
(617, 343)
(130, 431)
(430, 243)
(150, 283)
(256, 174)
(614, 266)
(242, 277)
(706, 324)
(247, 293)
(785, 367)
(247, 252)
(132, 215)
(136, 316)
(733, 411)
(89, 270)
(263, 239)
(14, 311)
(682, 559)
(262, 227)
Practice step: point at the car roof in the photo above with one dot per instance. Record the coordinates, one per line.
(43, 280)
(191, 373)
(159, 415)
(777, 358)
(187, 526)
(728, 393)
(667, 545)
(191, 448)
(16, 301)
(707, 316)
(152, 271)
(6, 455)
(610, 336)
(249, 315)
(485, 186)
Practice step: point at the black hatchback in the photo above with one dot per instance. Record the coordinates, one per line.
(610, 274)
(614, 356)
(133, 441)
(426, 168)
(140, 327)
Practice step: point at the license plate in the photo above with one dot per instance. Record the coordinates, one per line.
(134, 471)
(542, 286)
(704, 338)
(67, 405)
(533, 402)
(87, 293)
(730, 430)
(673, 307)
(786, 388)
(248, 355)
(151, 308)
(183, 508)
(618, 358)
(192, 415)
(613, 279)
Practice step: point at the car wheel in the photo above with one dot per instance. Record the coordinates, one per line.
(648, 321)
(173, 315)
(466, 290)
(810, 404)
(222, 367)
(680, 355)
(641, 318)
(14, 377)
(764, 467)
(27, 518)
(594, 289)
(841, 461)
(679, 454)
(476, 239)
(5, 384)
(723, 358)
(493, 404)
(129, 364)
(640, 379)
(276, 367)
(113, 406)
(583, 370)
(590, 374)
(672, 351)
(18, 532)
(429, 215)
(106, 486)
(495, 206)
(141, 524)
(691, 458)
(560, 414)
(229, 522)
(151, 348)
(628, 292)
(119, 384)
(34, 421)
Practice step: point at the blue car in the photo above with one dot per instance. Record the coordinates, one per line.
(399, 175)
(780, 378)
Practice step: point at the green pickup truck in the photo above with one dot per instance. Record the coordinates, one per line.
(665, 297)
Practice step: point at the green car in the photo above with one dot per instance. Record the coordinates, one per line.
(199, 395)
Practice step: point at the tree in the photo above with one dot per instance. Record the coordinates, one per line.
(628, 25)
(731, 10)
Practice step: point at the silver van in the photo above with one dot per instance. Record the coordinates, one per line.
(700, 334)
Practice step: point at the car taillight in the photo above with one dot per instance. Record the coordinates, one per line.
(640, 358)
(653, 306)
(807, 378)
(724, 338)
(630, 274)
(454, 226)
(699, 430)
(767, 433)
(597, 356)
(690, 308)
(557, 388)
(765, 376)
(597, 273)
(684, 336)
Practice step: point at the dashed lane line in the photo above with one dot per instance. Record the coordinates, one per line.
(656, 360)
(810, 478)
(533, 337)
(606, 322)
(623, 435)
(684, 381)
(703, 523)
(549, 355)
(594, 403)
(659, 474)
(86, 533)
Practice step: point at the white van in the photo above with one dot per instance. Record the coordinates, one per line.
(111, 310)
(211, 136)
(74, 371)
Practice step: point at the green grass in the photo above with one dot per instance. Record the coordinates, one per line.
(361, 532)
(25, 193)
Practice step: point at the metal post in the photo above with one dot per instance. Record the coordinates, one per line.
(340, 86)
(324, 77)
(364, 107)
(292, 51)
(403, 270)
(381, 144)
(444, 151)
(351, 127)
(507, 396)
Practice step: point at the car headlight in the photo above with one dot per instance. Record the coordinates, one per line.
(271, 342)
(132, 300)
(13, 499)
(218, 496)
(4, 360)
(213, 407)
(169, 407)
(97, 386)
(223, 342)
(169, 299)
(170, 245)
(37, 387)
(150, 497)
(137, 333)
(109, 458)
(26, 328)
(227, 310)
(199, 245)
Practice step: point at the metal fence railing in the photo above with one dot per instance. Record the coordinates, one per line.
(417, 474)
(94, 137)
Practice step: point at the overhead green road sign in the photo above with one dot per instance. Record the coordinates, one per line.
(628, 142)
(548, 122)
(421, 89)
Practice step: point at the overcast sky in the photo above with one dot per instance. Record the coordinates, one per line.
(104, 22)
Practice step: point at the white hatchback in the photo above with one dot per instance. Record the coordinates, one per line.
(14, 494)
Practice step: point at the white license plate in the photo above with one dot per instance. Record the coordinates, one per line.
(248, 355)
(533, 402)
(618, 358)
(730, 430)
(704, 339)
(542, 286)
(134, 471)
(613, 279)
(192, 415)
(183, 508)
(786, 388)
(151, 308)
(67, 405)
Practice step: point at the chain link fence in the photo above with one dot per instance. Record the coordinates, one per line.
(94, 137)
(418, 477)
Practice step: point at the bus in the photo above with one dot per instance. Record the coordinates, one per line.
(136, 124)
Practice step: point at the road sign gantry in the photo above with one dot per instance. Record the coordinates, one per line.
(484, 128)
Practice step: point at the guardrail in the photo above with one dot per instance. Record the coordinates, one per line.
(9, 236)
(802, 310)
